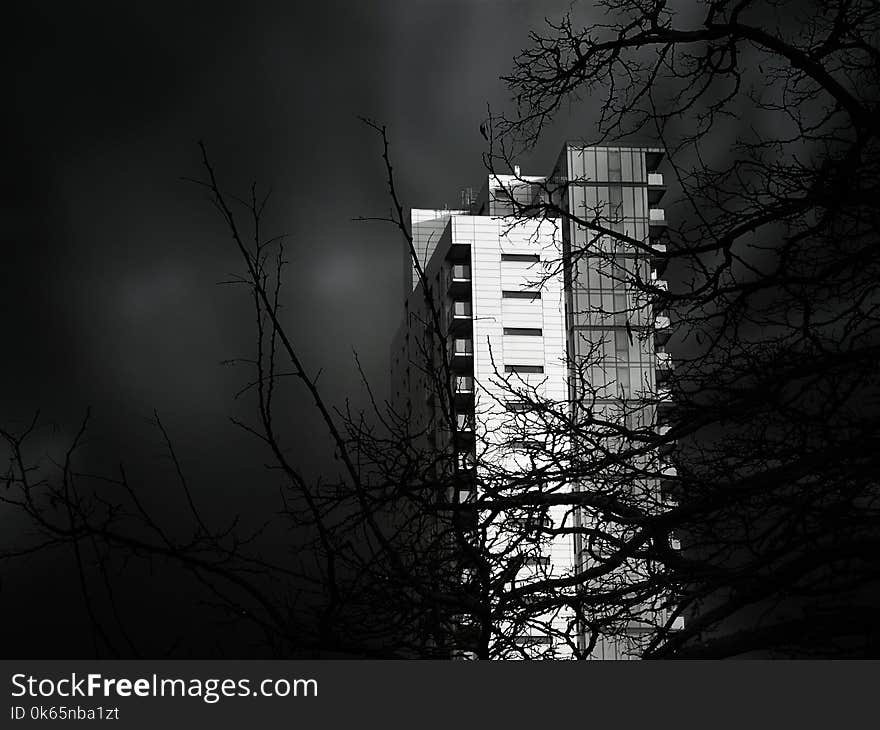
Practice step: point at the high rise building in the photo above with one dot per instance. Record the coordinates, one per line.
(526, 305)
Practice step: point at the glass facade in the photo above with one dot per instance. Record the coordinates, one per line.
(608, 318)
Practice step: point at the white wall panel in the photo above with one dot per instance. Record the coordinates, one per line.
(522, 313)
(522, 275)
(523, 350)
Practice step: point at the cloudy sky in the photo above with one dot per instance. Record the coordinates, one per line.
(111, 262)
(111, 259)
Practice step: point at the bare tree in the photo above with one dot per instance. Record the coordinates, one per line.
(430, 540)
(767, 112)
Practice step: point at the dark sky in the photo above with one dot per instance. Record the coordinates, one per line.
(108, 284)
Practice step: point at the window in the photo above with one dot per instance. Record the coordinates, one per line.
(615, 202)
(521, 294)
(614, 166)
(464, 422)
(520, 257)
(633, 420)
(464, 384)
(523, 368)
(461, 271)
(532, 523)
(517, 406)
(623, 381)
(461, 309)
(542, 561)
(524, 331)
(533, 640)
(621, 344)
(526, 445)
(462, 347)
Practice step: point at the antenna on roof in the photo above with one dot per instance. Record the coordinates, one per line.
(467, 198)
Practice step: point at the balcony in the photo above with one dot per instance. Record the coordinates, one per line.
(653, 157)
(459, 251)
(656, 220)
(464, 422)
(660, 284)
(462, 352)
(459, 316)
(656, 187)
(460, 280)
(463, 389)
(465, 518)
(467, 462)
(668, 471)
(661, 330)
(665, 405)
(669, 485)
(660, 297)
(665, 450)
(464, 431)
(658, 258)
(466, 484)
(664, 367)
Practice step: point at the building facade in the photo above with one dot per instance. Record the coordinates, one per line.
(527, 314)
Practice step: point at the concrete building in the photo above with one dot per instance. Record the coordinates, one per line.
(532, 306)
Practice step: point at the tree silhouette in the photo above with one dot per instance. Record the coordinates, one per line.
(742, 519)
(767, 112)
